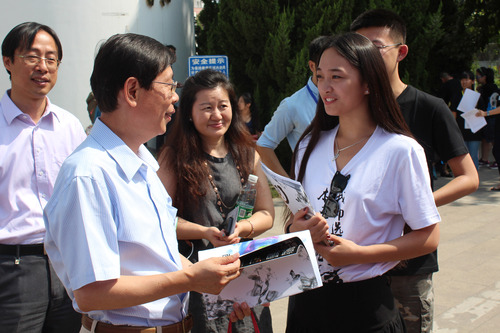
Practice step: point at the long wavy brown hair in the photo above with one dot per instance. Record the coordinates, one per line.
(185, 155)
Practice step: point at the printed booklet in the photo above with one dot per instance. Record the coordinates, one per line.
(291, 191)
(271, 268)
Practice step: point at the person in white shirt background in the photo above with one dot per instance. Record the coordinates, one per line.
(35, 138)
(292, 116)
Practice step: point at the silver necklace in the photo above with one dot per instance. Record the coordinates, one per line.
(337, 153)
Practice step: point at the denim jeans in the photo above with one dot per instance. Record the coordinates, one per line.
(473, 147)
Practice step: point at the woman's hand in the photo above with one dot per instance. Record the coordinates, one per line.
(317, 225)
(243, 229)
(481, 113)
(343, 252)
(217, 237)
(240, 311)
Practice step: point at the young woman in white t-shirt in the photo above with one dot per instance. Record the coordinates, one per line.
(366, 178)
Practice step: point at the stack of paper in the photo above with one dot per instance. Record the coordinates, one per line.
(468, 107)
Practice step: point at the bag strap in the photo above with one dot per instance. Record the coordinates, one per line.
(255, 326)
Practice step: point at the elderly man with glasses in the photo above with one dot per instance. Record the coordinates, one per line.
(35, 138)
(122, 267)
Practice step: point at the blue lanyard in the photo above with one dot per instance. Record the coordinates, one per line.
(312, 94)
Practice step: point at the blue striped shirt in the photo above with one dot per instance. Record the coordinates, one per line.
(111, 216)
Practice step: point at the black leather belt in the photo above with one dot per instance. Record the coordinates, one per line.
(22, 250)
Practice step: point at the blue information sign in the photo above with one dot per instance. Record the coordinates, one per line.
(216, 62)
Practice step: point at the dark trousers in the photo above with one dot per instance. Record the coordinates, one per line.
(356, 307)
(33, 299)
(496, 141)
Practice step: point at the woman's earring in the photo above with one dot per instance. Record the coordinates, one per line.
(367, 92)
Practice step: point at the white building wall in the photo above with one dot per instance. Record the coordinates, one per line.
(83, 24)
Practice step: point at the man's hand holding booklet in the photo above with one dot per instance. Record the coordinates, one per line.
(271, 268)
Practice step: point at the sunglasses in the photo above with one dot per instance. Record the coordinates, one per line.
(337, 186)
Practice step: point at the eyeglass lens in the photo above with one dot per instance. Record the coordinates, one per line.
(33, 60)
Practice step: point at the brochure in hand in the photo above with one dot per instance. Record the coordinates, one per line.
(271, 268)
(291, 191)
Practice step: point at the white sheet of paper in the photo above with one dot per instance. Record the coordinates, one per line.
(468, 101)
(473, 122)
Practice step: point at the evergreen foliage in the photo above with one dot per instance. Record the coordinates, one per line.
(267, 40)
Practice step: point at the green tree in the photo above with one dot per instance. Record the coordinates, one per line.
(267, 40)
(424, 29)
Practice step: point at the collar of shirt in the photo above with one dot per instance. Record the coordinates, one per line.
(311, 87)
(11, 111)
(129, 162)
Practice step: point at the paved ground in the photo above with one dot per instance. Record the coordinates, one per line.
(467, 287)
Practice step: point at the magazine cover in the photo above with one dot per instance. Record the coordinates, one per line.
(272, 268)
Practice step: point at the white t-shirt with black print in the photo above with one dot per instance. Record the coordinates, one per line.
(389, 186)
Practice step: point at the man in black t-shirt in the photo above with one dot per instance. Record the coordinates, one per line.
(451, 91)
(433, 126)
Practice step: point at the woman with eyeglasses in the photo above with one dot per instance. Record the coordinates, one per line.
(366, 178)
(206, 160)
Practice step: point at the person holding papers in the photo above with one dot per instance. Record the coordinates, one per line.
(368, 177)
(495, 113)
(486, 86)
(206, 160)
(472, 140)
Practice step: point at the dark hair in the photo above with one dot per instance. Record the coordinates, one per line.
(23, 35)
(183, 151)
(488, 72)
(248, 99)
(467, 75)
(382, 18)
(444, 75)
(360, 52)
(316, 47)
(123, 56)
(173, 54)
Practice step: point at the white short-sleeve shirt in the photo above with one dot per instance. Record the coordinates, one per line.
(389, 186)
(111, 216)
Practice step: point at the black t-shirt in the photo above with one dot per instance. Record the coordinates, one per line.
(451, 93)
(433, 126)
